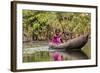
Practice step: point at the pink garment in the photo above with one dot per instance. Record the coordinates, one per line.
(56, 40)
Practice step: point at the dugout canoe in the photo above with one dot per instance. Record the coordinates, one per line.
(75, 43)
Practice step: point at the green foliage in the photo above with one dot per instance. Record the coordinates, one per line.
(40, 25)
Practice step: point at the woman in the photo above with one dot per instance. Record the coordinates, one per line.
(56, 39)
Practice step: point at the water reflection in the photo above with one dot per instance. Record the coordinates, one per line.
(38, 52)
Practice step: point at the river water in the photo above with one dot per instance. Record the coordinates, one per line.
(38, 51)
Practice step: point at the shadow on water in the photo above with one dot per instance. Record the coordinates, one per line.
(75, 55)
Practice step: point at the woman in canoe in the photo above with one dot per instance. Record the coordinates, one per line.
(56, 39)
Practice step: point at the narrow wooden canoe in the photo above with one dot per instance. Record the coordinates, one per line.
(76, 43)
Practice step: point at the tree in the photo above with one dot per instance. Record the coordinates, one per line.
(40, 25)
